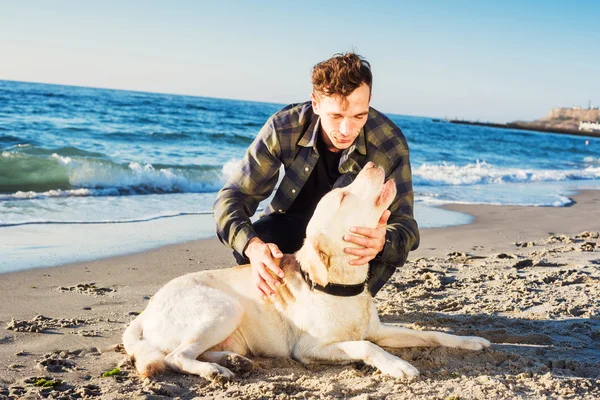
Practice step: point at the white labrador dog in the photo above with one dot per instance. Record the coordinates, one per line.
(201, 321)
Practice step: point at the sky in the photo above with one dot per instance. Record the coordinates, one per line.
(496, 61)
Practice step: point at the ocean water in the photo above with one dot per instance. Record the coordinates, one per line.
(79, 161)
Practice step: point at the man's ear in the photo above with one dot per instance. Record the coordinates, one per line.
(315, 103)
(315, 260)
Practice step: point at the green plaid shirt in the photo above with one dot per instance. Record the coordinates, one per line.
(289, 138)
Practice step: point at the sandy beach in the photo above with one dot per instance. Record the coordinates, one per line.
(526, 278)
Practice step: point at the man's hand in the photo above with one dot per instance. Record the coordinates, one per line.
(264, 267)
(370, 240)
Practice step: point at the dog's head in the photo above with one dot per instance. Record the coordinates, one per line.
(359, 204)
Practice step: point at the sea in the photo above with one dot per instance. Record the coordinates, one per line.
(88, 173)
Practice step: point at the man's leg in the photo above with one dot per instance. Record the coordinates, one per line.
(379, 274)
(286, 231)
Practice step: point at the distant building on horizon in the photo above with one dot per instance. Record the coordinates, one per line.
(590, 107)
(589, 126)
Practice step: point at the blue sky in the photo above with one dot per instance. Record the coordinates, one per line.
(488, 60)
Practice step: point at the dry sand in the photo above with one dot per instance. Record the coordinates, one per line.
(538, 302)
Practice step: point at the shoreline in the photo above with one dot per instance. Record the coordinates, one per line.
(32, 246)
(477, 213)
(529, 221)
(44, 246)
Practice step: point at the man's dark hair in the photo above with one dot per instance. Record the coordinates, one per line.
(341, 75)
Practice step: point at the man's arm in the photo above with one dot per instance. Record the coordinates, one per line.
(253, 181)
(402, 231)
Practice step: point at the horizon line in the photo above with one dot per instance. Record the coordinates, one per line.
(222, 98)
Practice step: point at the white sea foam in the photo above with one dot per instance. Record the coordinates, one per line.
(484, 173)
(546, 201)
(229, 167)
(9, 154)
(591, 160)
(49, 193)
(105, 177)
(61, 159)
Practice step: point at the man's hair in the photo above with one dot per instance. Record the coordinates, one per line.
(341, 75)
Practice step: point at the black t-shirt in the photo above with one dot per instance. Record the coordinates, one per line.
(319, 182)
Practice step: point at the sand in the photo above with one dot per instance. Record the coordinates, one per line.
(526, 278)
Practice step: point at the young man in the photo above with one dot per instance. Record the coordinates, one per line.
(322, 144)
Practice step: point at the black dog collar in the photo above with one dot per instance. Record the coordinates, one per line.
(335, 289)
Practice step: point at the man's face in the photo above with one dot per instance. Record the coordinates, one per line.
(342, 119)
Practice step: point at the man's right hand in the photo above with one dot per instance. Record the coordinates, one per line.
(264, 267)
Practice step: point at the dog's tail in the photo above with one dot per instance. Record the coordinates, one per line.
(148, 360)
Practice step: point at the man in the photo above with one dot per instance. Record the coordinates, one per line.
(321, 144)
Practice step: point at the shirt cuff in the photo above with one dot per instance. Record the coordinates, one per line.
(242, 237)
(394, 250)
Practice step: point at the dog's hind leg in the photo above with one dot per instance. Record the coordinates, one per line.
(183, 359)
(228, 359)
(212, 330)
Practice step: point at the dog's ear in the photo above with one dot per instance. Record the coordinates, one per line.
(315, 260)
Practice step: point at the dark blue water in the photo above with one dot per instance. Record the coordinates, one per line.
(73, 155)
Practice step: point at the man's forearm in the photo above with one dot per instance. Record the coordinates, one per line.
(234, 227)
(402, 236)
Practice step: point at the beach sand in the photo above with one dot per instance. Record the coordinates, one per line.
(526, 278)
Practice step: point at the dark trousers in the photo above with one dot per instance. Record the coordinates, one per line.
(288, 232)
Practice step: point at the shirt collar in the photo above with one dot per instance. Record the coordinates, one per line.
(361, 142)
(309, 139)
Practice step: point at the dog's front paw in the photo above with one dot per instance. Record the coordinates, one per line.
(399, 369)
(473, 343)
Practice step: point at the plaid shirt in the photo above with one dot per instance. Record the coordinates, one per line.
(289, 138)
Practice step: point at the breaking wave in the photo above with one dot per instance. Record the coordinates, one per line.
(484, 173)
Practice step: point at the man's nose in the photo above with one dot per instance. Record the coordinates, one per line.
(346, 127)
(343, 126)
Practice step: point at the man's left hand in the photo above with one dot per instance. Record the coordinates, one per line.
(371, 241)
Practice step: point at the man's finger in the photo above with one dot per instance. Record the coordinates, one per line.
(273, 267)
(361, 261)
(360, 240)
(270, 264)
(384, 218)
(361, 230)
(265, 290)
(362, 252)
(268, 277)
(264, 275)
(264, 284)
(275, 250)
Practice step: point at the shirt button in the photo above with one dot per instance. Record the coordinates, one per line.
(280, 210)
(306, 169)
(293, 190)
